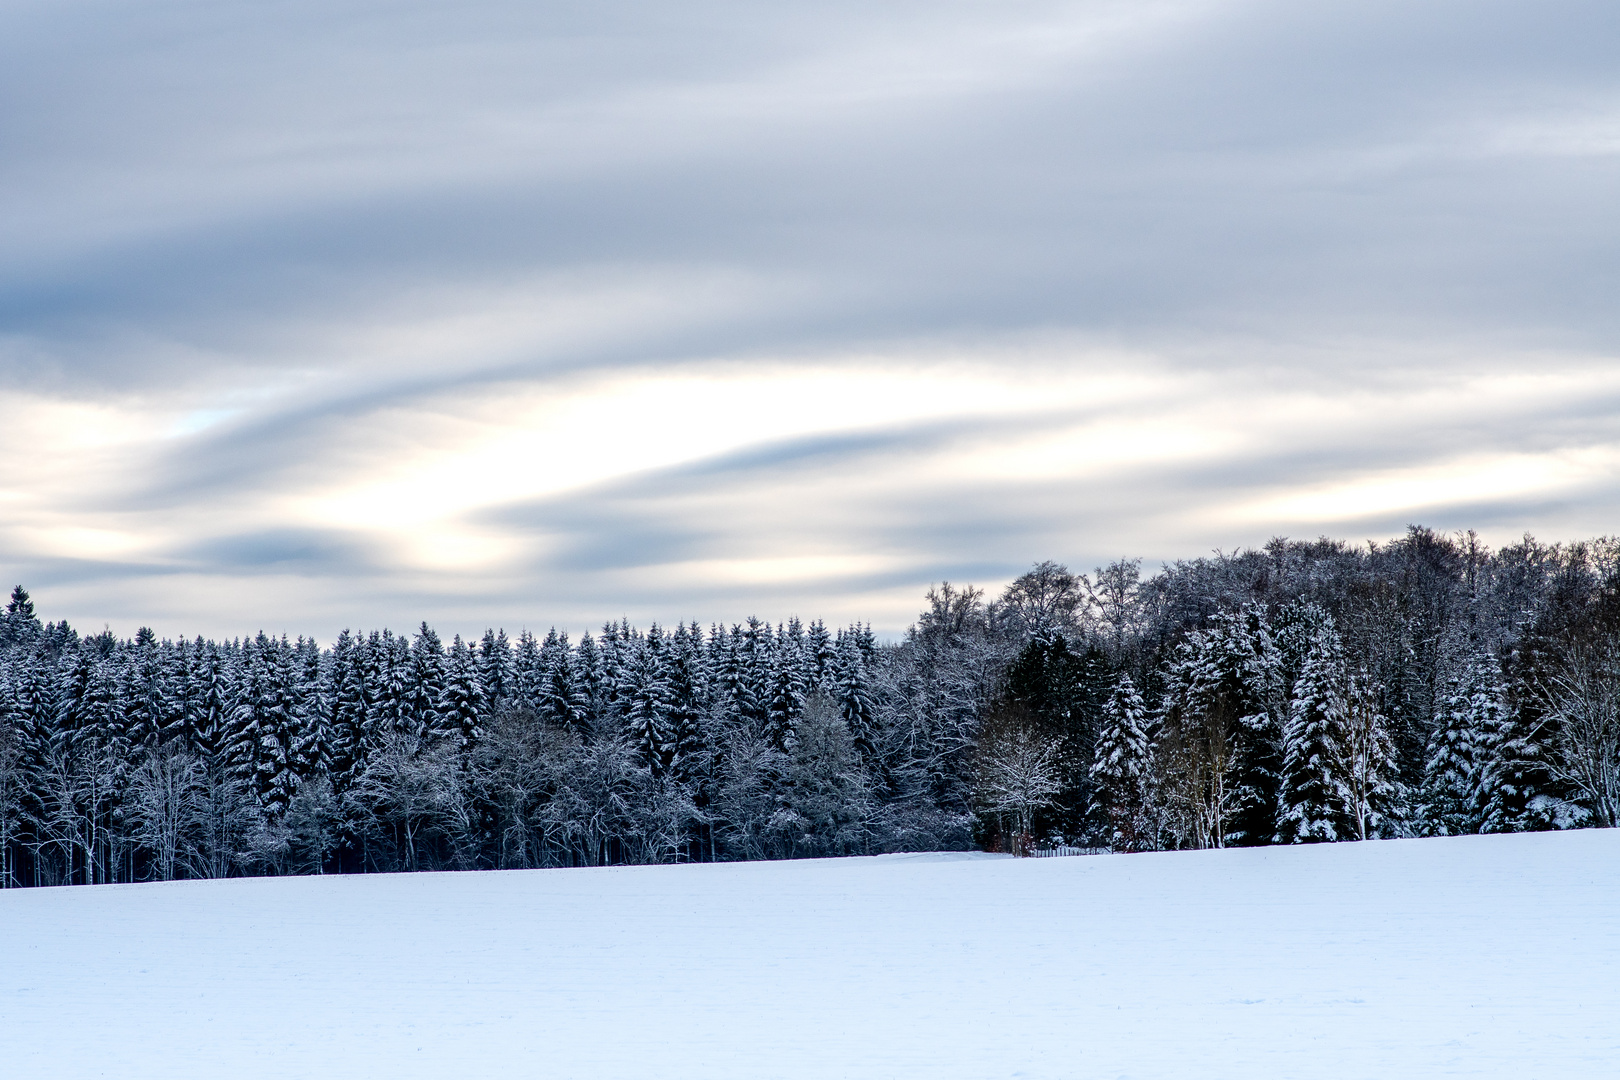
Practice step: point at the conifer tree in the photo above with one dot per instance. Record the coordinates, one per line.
(1374, 795)
(393, 701)
(495, 666)
(1511, 765)
(307, 752)
(20, 606)
(1452, 760)
(346, 739)
(820, 652)
(684, 682)
(853, 691)
(173, 693)
(646, 697)
(1121, 771)
(527, 671)
(277, 723)
(1312, 805)
(561, 700)
(208, 700)
(752, 675)
(586, 674)
(785, 703)
(462, 702)
(427, 681)
(146, 699)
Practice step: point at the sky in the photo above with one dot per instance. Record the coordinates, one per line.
(355, 314)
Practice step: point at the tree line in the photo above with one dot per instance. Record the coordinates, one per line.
(1300, 692)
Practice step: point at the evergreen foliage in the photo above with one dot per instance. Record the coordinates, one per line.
(1122, 772)
(1314, 806)
(1303, 692)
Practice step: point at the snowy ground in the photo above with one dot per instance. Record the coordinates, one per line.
(1479, 956)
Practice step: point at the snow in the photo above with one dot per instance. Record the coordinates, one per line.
(1474, 956)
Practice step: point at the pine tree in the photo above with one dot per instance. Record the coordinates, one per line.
(647, 698)
(785, 703)
(20, 606)
(1312, 806)
(560, 700)
(1512, 764)
(208, 700)
(427, 682)
(146, 699)
(495, 666)
(1452, 760)
(346, 726)
(308, 752)
(821, 653)
(277, 724)
(528, 671)
(853, 692)
(1374, 795)
(586, 673)
(685, 716)
(174, 690)
(462, 703)
(1121, 771)
(751, 675)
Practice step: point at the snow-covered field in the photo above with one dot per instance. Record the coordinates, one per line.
(1478, 956)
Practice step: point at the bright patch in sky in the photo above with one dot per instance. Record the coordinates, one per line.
(317, 315)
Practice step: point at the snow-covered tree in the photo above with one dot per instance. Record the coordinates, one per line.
(1375, 798)
(1121, 771)
(461, 705)
(1312, 805)
(1220, 733)
(1018, 773)
(1466, 733)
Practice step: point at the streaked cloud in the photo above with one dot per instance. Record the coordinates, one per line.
(362, 313)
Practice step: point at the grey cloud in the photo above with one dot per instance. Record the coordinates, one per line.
(279, 549)
(200, 198)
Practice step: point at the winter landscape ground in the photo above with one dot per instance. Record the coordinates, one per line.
(1467, 956)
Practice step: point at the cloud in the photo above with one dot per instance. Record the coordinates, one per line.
(375, 311)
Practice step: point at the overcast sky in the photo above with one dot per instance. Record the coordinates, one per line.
(326, 314)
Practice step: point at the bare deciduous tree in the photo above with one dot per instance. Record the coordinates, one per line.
(1018, 771)
(167, 806)
(1583, 702)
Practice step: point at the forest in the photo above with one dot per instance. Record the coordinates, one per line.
(1305, 691)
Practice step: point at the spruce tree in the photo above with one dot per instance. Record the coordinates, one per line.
(427, 681)
(1451, 762)
(527, 671)
(1312, 806)
(308, 753)
(462, 702)
(277, 723)
(495, 666)
(560, 699)
(685, 717)
(20, 606)
(820, 654)
(785, 701)
(586, 674)
(1374, 795)
(346, 734)
(1513, 762)
(853, 692)
(1121, 771)
(646, 697)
